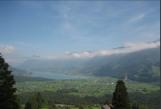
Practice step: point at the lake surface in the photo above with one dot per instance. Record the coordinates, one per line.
(57, 76)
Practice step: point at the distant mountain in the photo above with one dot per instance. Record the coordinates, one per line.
(25, 78)
(141, 65)
(22, 75)
(20, 72)
(56, 65)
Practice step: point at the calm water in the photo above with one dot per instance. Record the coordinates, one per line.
(58, 76)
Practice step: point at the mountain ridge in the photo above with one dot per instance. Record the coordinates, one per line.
(141, 65)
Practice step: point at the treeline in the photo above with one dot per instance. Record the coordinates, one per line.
(151, 100)
(62, 98)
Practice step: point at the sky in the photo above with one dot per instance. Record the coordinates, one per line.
(32, 29)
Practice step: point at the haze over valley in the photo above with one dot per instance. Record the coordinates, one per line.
(139, 63)
(78, 54)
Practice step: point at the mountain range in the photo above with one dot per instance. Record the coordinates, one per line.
(138, 65)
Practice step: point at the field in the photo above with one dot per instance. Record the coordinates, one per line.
(84, 87)
(90, 92)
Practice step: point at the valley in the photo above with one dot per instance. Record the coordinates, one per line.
(89, 91)
(80, 54)
(142, 66)
(87, 83)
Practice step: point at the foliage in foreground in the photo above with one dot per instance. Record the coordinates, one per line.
(8, 98)
(120, 98)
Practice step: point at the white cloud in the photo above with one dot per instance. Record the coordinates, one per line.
(11, 54)
(7, 49)
(16, 57)
(128, 48)
(8, 52)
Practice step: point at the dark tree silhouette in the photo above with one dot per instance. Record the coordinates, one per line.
(51, 105)
(120, 98)
(135, 106)
(8, 99)
(35, 102)
(28, 105)
(39, 99)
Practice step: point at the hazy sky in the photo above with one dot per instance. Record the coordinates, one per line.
(33, 28)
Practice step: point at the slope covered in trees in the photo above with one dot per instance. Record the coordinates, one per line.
(141, 66)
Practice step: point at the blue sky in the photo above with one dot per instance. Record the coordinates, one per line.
(54, 27)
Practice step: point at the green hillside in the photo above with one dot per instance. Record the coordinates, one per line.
(141, 66)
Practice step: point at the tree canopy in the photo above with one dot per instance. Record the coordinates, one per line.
(120, 98)
(8, 99)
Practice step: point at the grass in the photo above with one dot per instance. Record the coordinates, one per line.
(84, 87)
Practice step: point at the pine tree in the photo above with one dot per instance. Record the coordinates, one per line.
(28, 105)
(35, 102)
(135, 106)
(39, 99)
(8, 99)
(120, 98)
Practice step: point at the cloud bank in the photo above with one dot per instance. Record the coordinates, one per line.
(127, 48)
(13, 56)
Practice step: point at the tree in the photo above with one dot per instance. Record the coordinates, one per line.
(80, 107)
(120, 98)
(8, 99)
(106, 102)
(35, 102)
(143, 106)
(135, 106)
(39, 99)
(51, 105)
(28, 105)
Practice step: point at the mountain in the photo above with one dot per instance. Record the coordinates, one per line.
(141, 65)
(20, 72)
(22, 75)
